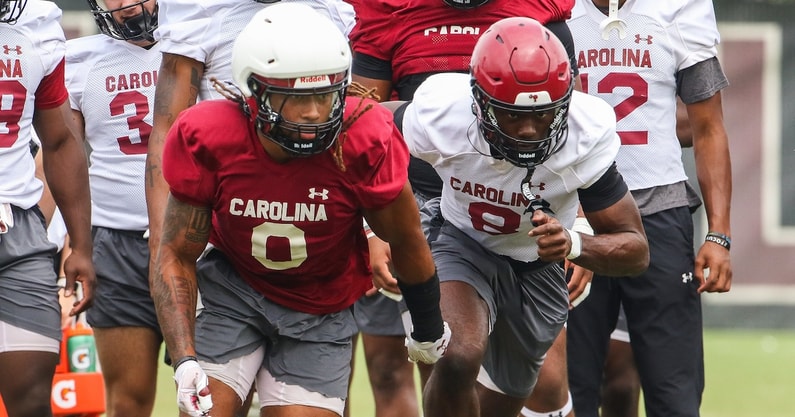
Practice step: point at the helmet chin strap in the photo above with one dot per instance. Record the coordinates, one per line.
(136, 27)
(536, 202)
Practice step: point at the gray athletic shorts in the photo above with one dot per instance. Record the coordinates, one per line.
(121, 262)
(379, 315)
(528, 305)
(28, 290)
(311, 351)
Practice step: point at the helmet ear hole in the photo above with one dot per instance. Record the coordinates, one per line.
(253, 85)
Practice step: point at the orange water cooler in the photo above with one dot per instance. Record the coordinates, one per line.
(77, 388)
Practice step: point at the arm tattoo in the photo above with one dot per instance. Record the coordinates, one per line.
(199, 227)
(191, 223)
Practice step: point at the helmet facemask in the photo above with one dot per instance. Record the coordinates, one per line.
(287, 134)
(10, 10)
(141, 27)
(521, 152)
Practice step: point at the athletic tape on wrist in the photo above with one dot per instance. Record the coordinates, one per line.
(581, 225)
(576, 245)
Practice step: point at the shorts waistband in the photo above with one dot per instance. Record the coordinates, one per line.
(523, 267)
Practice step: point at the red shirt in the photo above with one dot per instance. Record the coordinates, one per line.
(421, 36)
(293, 231)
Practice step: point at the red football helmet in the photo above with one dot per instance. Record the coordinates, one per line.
(520, 66)
(10, 10)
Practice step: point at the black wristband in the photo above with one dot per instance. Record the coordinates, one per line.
(183, 360)
(422, 301)
(720, 239)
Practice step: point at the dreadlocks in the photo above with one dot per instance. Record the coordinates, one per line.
(354, 90)
(231, 92)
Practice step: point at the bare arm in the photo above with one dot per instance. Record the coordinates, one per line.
(713, 167)
(399, 225)
(66, 170)
(46, 202)
(177, 89)
(382, 87)
(619, 247)
(173, 283)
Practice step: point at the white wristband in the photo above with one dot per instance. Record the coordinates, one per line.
(581, 225)
(576, 245)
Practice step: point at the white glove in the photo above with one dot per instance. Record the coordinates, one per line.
(428, 352)
(191, 381)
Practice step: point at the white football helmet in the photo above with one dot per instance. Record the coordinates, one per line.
(290, 49)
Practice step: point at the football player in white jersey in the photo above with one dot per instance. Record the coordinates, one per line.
(639, 56)
(33, 95)
(111, 79)
(517, 151)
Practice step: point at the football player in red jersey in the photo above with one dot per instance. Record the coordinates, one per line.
(278, 180)
(397, 45)
(34, 96)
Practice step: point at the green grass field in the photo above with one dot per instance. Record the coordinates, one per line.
(749, 374)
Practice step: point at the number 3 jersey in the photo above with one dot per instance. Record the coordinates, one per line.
(112, 83)
(293, 231)
(481, 195)
(637, 76)
(31, 78)
(204, 30)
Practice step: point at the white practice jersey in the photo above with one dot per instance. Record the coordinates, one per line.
(30, 50)
(482, 195)
(112, 83)
(205, 30)
(637, 76)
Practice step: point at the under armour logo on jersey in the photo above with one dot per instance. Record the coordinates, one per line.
(646, 39)
(7, 49)
(541, 185)
(559, 414)
(323, 194)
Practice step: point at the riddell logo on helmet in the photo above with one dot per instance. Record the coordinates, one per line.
(312, 81)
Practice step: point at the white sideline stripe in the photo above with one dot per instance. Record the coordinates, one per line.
(753, 295)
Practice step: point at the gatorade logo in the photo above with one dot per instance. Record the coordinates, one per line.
(81, 359)
(63, 394)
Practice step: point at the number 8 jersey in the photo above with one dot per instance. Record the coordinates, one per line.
(112, 83)
(637, 76)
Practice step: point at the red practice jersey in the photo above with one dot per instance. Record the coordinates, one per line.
(293, 230)
(422, 36)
